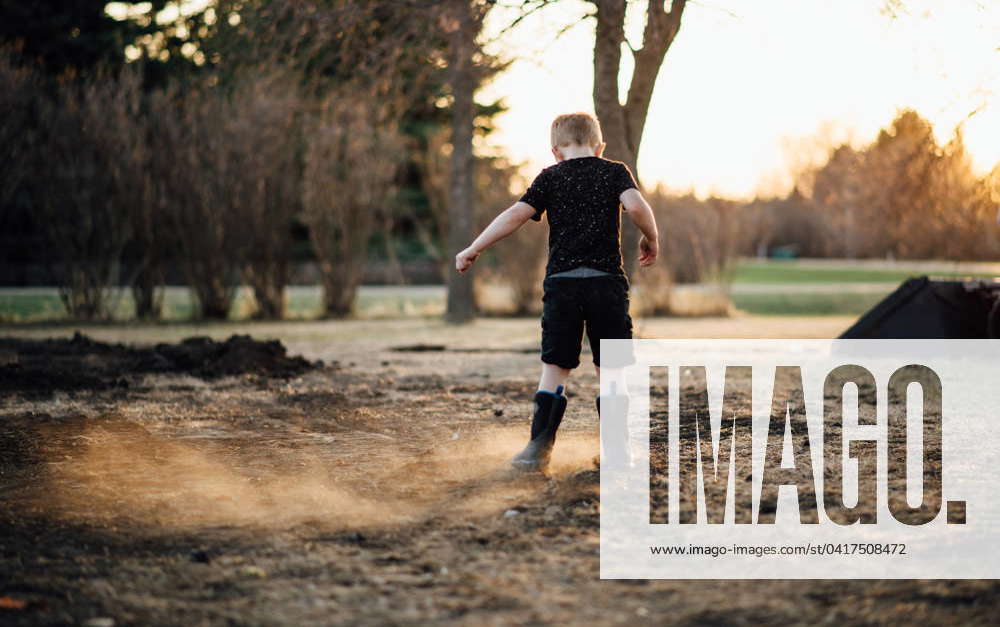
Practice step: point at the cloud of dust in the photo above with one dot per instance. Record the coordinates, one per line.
(116, 472)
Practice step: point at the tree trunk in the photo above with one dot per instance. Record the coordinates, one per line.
(340, 290)
(213, 307)
(83, 294)
(461, 209)
(622, 125)
(268, 281)
(214, 297)
(147, 292)
(395, 267)
(607, 59)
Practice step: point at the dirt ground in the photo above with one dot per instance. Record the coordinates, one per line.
(370, 488)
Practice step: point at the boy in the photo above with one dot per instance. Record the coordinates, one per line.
(585, 284)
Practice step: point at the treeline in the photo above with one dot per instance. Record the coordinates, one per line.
(903, 196)
(120, 182)
(244, 137)
(123, 185)
(247, 137)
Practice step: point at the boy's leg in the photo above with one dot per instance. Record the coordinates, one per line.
(562, 333)
(608, 318)
(562, 328)
(549, 407)
(606, 311)
(553, 377)
(613, 381)
(612, 411)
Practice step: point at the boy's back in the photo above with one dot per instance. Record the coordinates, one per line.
(581, 196)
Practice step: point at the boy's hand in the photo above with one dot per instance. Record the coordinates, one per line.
(465, 259)
(648, 250)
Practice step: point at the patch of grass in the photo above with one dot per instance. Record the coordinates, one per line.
(806, 304)
(786, 272)
(23, 307)
(304, 302)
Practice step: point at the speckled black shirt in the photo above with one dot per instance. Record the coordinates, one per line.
(580, 197)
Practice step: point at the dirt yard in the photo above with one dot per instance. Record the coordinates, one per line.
(218, 483)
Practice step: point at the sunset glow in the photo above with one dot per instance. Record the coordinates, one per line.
(747, 87)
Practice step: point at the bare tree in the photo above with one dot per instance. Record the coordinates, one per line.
(20, 89)
(839, 187)
(521, 257)
(700, 247)
(432, 159)
(196, 160)
(350, 164)
(903, 195)
(150, 241)
(89, 157)
(268, 194)
(387, 51)
(463, 22)
(623, 124)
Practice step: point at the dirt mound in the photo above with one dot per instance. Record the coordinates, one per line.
(240, 354)
(42, 366)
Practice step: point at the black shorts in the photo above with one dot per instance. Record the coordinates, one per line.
(569, 304)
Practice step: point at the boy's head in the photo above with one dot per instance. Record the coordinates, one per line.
(573, 133)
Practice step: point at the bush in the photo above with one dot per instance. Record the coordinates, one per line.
(518, 261)
(350, 165)
(85, 162)
(699, 242)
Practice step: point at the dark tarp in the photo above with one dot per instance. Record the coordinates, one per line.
(923, 308)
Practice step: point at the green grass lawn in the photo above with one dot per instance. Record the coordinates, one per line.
(773, 287)
(303, 302)
(36, 304)
(37, 307)
(788, 272)
(24, 307)
(848, 303)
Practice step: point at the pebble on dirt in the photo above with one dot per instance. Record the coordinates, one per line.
(255, 572)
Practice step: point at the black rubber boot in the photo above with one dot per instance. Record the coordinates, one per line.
(615, 441)
(549, 410)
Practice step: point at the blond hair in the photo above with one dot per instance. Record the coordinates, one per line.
(582, 129)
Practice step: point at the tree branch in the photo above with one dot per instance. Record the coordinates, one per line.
(607, 60)
(659, 33)
(528, 8)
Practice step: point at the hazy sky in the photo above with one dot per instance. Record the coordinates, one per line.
(746, 83)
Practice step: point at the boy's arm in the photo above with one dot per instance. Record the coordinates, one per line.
(641, 214)
(503, 225)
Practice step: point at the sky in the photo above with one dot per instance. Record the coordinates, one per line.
(752, 89)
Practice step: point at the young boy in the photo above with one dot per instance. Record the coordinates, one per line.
(585, 284)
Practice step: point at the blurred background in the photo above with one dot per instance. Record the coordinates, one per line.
(280, 159)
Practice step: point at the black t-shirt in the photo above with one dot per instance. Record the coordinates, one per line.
(581, 198)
